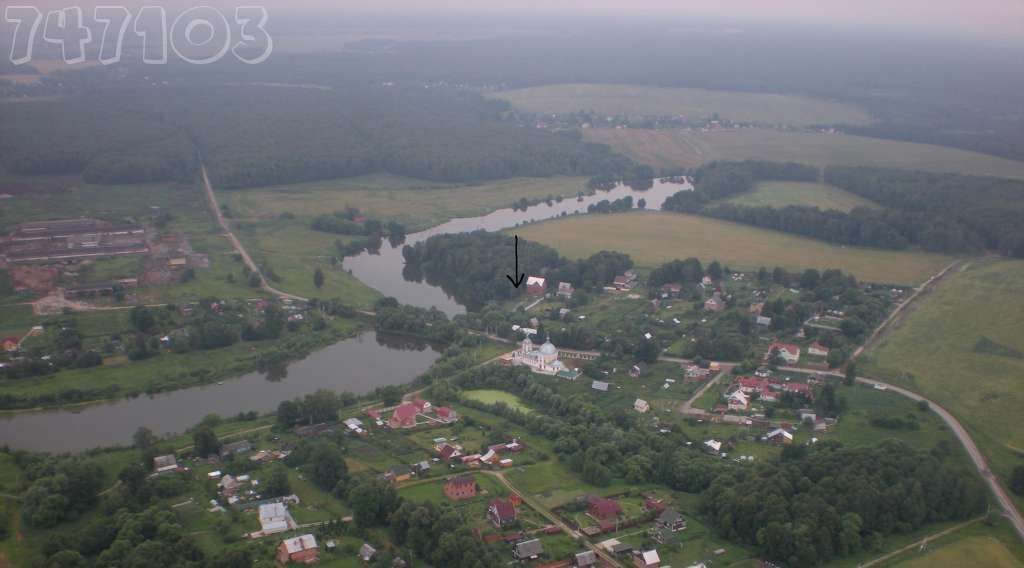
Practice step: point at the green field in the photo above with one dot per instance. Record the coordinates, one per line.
(974, 551)
(293, 251)
(785, 193)
(694, 104)
(935, 351)
(415, 203)
(488, 396)
(652, 238)
(680, 148)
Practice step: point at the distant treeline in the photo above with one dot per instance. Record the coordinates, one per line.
(253, 136)
(934, 211)
(471, 267)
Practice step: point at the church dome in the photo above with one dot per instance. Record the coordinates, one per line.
(548, 349)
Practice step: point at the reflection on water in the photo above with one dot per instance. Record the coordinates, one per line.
(357, 365)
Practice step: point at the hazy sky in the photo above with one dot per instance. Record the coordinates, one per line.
(992, 19)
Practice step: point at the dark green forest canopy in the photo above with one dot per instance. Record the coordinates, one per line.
(471, 267)
(255, 136)
(938, 212)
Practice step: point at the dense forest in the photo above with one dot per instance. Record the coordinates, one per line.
(255, 136)
(471, 267)
(828, 501)
(934, 211)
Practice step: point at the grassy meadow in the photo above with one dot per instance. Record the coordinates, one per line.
(681, 148)
(694, 104)
(490, 396)
(415, 203)
(653, 238)
(785, 193)
(961, 345)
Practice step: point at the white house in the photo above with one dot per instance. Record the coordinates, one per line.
(274, 518)
(641, 405)
(713, 445)
(789, 353)
(739, 400)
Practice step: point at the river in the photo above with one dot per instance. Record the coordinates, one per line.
(358, 365)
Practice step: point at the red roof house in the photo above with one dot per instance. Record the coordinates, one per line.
(11, 343)
(536, 285)
(404, 416)
(818, 350)
(501, 512)
(601, 508)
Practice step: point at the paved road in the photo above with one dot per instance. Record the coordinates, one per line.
(215, 208)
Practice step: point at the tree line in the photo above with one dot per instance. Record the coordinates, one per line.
(471, 267)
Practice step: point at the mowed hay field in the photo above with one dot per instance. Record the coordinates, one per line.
(695, 104)
(415, 203)
(973, 551)
(682, 148)
(937, 342)
(652, 238)
(784, 193)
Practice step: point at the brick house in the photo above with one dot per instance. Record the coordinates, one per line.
(298, 550)
(460, 487)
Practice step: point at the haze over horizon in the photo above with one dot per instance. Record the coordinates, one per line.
(984, 20)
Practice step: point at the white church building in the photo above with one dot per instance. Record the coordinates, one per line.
(542, 360)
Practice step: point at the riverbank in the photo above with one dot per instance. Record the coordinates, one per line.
(167, 371)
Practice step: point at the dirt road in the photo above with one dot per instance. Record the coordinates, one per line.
(217, 214)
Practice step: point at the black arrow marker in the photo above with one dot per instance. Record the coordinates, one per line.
(516, 281)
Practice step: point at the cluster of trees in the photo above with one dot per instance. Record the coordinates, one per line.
(61, 488)
(431, 324)
(828, 501)
(471, 267)
(617, 206)
(320, 406)
(935, 211)
(943, 212)
(351, 222)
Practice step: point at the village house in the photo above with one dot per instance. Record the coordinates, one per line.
(164, 464)
(404, 416)
(585, 559)
(714, 303)
(602, 509)
(756, 308)
(228, 450)
(641, 406)
(646, 559)
(779, 436)
(274, 518)
(671, 290)
(672, 520)
(536, 285)
(637, 370)
(713, 445)
(788, 352)
(398, 473)
(528, 549)
(11, 344)
(460, 487)
(738, 400)
(800, 389)
(448, 451)
(818, 350)
(600, 386)
(298, 550)
(565, 290)
(501, 512)
(367, 552)
(446, 415)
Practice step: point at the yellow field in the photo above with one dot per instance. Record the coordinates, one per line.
(416, 203)
(784, 193)
(652, 238)
(680, 148)
(696, 104)
(974, 551)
